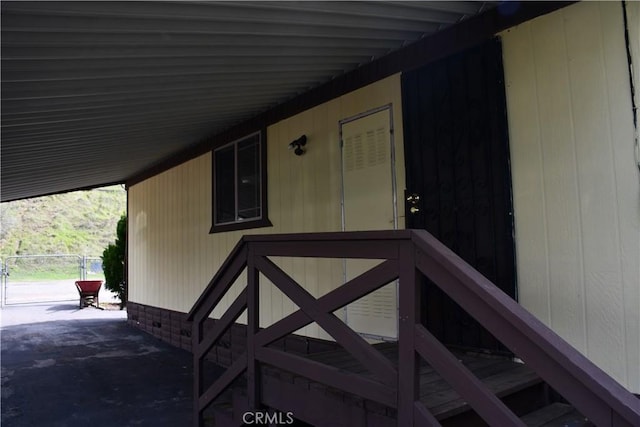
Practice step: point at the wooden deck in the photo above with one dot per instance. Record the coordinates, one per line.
(319, 405)
(418, 383)
(501, 376)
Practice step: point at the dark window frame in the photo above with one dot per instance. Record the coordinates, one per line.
(263, 219)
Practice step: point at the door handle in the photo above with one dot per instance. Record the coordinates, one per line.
(413, 201)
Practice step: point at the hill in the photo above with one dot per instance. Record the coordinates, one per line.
(82, 223)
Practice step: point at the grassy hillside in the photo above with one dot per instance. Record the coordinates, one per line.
(80, 223)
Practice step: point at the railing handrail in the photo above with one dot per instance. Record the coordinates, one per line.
(594, 393)
(199, 306)
(548, 344)
(332, 236)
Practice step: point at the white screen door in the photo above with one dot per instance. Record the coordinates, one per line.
(368, 204)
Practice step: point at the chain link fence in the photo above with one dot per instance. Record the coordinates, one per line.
(46, 278)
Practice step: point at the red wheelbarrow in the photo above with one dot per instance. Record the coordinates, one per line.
(89, 290)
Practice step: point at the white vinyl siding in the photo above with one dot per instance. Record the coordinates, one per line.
(173, 256)
(576, 188)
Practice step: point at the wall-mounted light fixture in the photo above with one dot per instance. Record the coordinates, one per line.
(298, 144)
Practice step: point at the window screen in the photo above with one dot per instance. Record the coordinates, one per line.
(238, 181)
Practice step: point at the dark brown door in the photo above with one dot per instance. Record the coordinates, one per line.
(457, 162)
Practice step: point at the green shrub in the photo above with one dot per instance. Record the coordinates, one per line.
(113, 259)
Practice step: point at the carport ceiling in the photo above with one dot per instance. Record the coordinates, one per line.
(94, 93)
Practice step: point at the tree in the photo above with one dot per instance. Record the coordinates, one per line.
(113, 259)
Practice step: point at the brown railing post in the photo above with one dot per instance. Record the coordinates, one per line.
(196, 338)
(253, 327)
(409, 316)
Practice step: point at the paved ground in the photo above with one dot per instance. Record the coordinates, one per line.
(50, 291)
(62, 366)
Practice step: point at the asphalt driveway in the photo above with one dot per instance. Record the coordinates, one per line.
(62, 366)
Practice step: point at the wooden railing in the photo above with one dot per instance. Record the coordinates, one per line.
(407, 255)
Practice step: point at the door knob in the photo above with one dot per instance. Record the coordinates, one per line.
(413, 200)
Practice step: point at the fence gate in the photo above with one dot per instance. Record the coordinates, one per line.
(29, 279)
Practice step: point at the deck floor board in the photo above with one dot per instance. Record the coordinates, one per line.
(501, 375)
(556, 415)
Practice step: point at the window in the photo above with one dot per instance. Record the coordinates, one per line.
(239, 185)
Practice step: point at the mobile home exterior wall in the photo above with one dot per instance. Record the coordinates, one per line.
(576, 190)
(576, 186)
(172, 256)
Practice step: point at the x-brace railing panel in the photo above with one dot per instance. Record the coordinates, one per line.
(351, 291)
(370, 358)
(245, 256)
